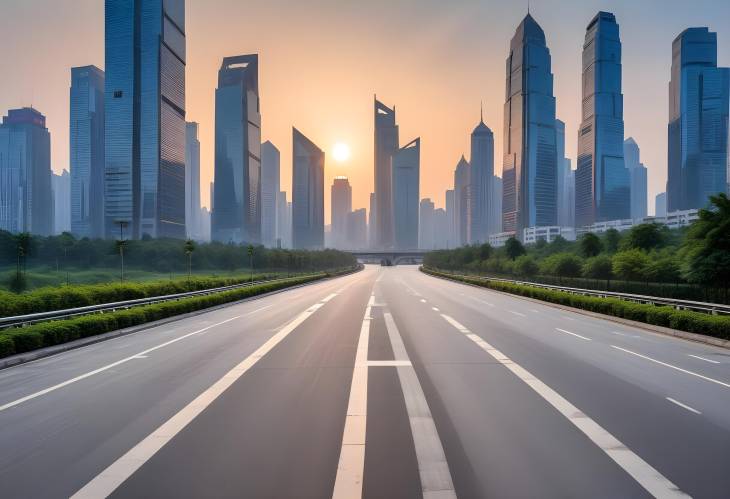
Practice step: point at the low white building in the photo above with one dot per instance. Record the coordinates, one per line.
(530, 235)
(499, 239)
(673, 220)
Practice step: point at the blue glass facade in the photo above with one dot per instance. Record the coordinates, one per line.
(145, 118)
(307, 209)
(406, 184)
(87, 151)
(698, 121)
(482, 203)
(602, 182)
(237, 212)
(530, 158)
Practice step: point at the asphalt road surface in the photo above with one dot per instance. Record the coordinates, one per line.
(385, 383)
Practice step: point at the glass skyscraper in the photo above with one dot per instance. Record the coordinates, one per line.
(340, 208)
(237, 213)
(632, 158)
(406, 184)
(270, 182)
(386, 145)
(307, 193)
(192, 182)
(482, 176)
(26, 200)
(87, 151)
(698, 121)
(530, 159)
(144, 187)
(462, 204)
(602, 182)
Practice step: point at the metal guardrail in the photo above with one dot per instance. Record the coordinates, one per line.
(708, 308)
(20, 320)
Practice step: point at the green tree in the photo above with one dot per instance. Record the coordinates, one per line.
(485, 251)
(663, 268)
(513, 248)
(630, 264)
(562, 265)
(590, 245)
(612, 240)
(599, 267)
(189, 247)
(646, 237)
(525, 266)
(707, 246)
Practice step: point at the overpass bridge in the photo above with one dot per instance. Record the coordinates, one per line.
(392, 257)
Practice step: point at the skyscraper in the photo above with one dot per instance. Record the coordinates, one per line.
(660, 205)
(307, 193)
(283, 221)
(270, 184)
(698, 121)
(637, 171)
(86, 150)
(26, 199)
(237, 213)
(386, 145)
(426, 228)
(192, 182)
(450, 207)
(61, 188)
(566, 181)
(602, 182)
(462, 193)
(144, 101)
(530, 159)
(356, 229)
(405, 188)
(482, 173)
(340, 207)
(440, 229)
(371, 221)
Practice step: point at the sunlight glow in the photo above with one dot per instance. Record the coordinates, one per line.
(341, 152)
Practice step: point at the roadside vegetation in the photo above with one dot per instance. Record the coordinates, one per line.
(691, 263)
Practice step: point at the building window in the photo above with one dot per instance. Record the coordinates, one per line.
(118, 94)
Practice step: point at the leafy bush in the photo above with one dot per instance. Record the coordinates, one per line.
(684, 320)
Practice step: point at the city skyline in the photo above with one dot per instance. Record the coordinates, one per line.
(646, 63)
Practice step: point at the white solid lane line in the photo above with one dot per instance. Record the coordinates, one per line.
(683, 406)
(328, 297)
(138, 355)
(702, 358)
(351, 465)
(641, 471)
(112, 477)
(520, 314)
(691, 373)
(574, 334)
(436, 482)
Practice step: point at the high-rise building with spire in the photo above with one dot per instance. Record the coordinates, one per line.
(530, 159)
(602, 182)
(386, 145)
(481, 201)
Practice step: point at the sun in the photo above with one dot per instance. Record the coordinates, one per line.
(341, 152)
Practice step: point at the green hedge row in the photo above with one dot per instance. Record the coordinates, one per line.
(62, 297)
(24, 339)
(717, 326)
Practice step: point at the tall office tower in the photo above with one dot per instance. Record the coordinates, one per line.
(450, 205)
(283, 222)
(698, 121)
(192, 181)
(26, 200)
(237, 213)
(660, 205)
(462, 192)
(87, 151)
(482, 173)
(386, 145)
(340, 207)
(307, 193)
(371, 222)
(602, 182)
(270, 185)
(529, 172)
(357, 226)
(61, 188)
(497, 213)
(205, 224)
(637, 172)
(440, 229)
(426, 228)
(405, 188)
(565, 181)
(144, 130)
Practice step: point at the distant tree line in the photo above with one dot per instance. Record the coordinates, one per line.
(692, 263)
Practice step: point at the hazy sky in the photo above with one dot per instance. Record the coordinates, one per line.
(321, 61)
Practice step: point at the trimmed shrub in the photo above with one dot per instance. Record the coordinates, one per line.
(7, 346)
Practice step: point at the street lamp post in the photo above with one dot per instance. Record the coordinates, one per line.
(120, 243)
(250, 259)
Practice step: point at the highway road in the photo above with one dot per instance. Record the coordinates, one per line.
(385, 383)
